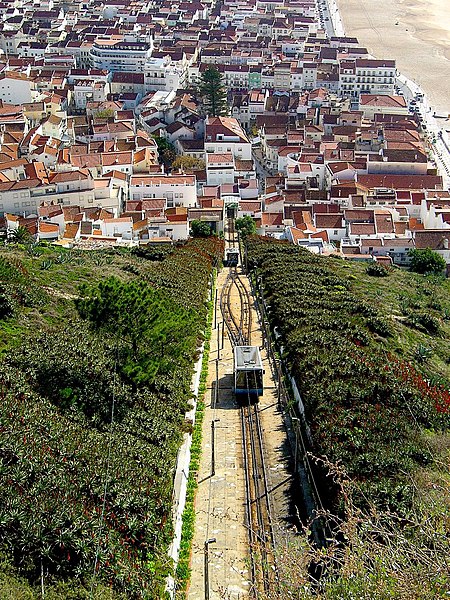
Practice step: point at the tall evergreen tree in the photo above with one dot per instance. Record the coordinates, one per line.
(212, 92)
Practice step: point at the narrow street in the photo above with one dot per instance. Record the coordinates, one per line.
(261, 170)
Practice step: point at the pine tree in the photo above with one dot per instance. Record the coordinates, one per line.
(212, 92)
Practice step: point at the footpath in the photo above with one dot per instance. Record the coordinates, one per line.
(220, 546)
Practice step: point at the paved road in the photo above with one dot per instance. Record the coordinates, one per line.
(261, 170)
(437, 137)
(331, 18)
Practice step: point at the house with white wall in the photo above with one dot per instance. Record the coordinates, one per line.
(15, 88)
(225, 135)
(121, 227)
(333, 224)
(178, 190)
(436, 239)
(89, 90)
(220, 168)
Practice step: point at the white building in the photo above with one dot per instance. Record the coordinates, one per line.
(178, 190)
(121, 227)
(224, 135)
(89, 91)
(367, 76)
(164, 74)
(15, 88)
(118, 55)
(72, 188)
(372, 104)
(219, 168)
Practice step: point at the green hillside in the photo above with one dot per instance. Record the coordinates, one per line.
(86, 336)
(371, 359)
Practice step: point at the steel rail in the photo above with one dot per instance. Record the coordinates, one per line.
(238, 319)
(248, 505)
(261, 538)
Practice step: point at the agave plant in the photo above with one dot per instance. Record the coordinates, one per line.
(46, 265)
(422, 353)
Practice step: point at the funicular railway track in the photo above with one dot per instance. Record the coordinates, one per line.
(237, 317)
(239, 325)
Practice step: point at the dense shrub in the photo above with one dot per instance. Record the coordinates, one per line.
(426, 261)
(155, 252)
(377, 270)
(131, 359)
(363, 404)
(424, 320)
(6, 303)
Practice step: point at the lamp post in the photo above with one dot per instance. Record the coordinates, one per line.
(295, 420)
(278, 365)
(206, 555)
(213, 444)
(216, 390)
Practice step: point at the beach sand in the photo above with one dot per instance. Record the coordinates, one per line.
(416, 33)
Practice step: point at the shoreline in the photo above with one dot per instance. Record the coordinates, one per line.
(416, 33)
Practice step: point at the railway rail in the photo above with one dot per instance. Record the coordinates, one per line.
(258, 509)
(237, 317)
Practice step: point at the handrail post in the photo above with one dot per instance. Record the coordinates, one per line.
(206, 565)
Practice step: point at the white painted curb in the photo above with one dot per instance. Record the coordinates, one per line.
(181, 477)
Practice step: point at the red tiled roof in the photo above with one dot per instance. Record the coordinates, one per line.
(372, 242)
(362, 229)
(414, 224)
(384, 223)
(406, 182)
(359, 214)
(436, 239)
(328, 220)
(271, 219)
(250, 206)
(48, 228)
(71, 230)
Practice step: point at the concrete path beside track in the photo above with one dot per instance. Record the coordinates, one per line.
(220, 499)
